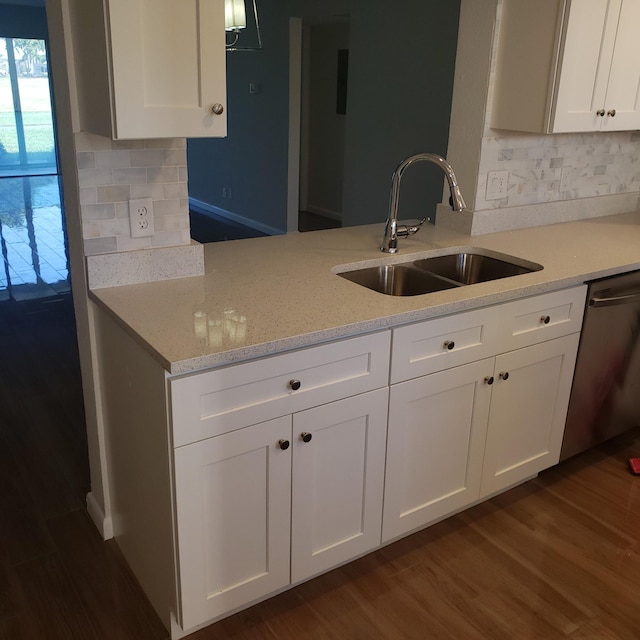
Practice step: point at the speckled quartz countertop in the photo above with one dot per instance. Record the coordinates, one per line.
(282, 293)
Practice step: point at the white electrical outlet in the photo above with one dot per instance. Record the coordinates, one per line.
(497, 182)
(141, 218)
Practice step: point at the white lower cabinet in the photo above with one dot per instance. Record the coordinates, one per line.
(437, 430)
(269, 472)
(338, 479)
(233, 497)
(529, 402)
(277, 502)
(465, 433)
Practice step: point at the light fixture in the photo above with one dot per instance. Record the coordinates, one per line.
(235, 24)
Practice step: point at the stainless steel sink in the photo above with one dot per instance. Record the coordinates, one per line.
(438, 273)
(469, 268)
(398, 280)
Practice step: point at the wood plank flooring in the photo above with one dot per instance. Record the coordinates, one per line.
(556, 558)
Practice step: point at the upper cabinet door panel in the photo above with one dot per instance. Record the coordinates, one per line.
(623, 92)
(168, 67)
(585, 64)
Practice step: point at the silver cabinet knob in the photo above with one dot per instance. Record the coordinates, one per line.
(217, 109)
(545, 319)
(305, 437)
(611, 112)
(283, 444)
(294, 384)
(504, 375)
(600, 113)
(488, 380)
(449, 344)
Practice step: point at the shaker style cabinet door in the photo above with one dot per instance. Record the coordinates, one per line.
(529, 405)
(233, 499)
(623, 91)
(437, 428)
(584, 65)
(338, 478)
(168, 65)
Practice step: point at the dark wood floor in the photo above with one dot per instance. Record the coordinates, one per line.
(558, 557)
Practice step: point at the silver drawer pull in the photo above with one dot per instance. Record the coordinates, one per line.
(449, 344)
(294, 384)
(545, 319)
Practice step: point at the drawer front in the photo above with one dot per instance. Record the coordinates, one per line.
(216, 402)
(441, 343)
(551, 315)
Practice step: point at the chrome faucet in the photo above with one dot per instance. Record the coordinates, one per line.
(393, 231)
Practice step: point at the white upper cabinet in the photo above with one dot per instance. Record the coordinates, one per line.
(150, 68)
(568, 66)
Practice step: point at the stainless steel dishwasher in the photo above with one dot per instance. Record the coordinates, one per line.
(605, 397)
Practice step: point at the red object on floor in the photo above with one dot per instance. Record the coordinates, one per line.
(634, 465)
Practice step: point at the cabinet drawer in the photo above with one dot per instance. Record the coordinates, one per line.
(442, 343)
(544, 317)
(220, 401)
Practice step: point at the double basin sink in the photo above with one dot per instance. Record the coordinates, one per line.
(416, 277)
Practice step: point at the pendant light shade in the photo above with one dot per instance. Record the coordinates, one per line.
(241, 25)
(235, 17)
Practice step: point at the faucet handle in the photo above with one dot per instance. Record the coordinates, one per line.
(404, 230)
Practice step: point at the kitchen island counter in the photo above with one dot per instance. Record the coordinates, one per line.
(282, 292)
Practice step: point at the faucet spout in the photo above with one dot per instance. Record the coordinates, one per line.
(392, 230)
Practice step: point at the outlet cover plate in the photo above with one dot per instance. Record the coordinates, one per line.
(497, 182)
(141, 218)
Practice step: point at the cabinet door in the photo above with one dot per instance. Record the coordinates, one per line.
(168, 67)
(233, 519)
(623, 91)
(585, 64)
(338, 478)
(436, 434)
(528, 411)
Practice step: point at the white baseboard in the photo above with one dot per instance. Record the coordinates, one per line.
(102, 522)
(204, 207)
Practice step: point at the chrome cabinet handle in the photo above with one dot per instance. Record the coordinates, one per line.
(294, 384)
(305, 437)
(545, 319)
(488, 380)
(600, 113)
(283, 444)
(449, 344)
(217, 109)
(611, 112)
(504, 375)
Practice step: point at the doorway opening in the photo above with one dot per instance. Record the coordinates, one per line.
(33, 242)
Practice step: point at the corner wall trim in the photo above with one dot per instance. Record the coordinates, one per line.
(103, 523)
(204, 207)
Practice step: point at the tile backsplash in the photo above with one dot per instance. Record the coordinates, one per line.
(559, 167)
(110, 173)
